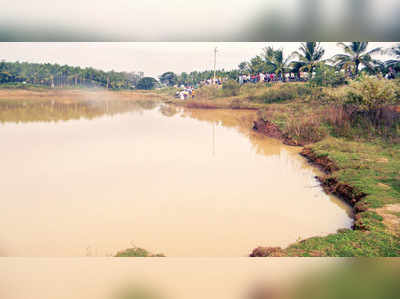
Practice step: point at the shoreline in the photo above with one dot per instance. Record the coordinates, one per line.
(368, 219)
(329, 183)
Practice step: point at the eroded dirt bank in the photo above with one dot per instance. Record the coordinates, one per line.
(269, 129)
(331, 185)
(328, 181)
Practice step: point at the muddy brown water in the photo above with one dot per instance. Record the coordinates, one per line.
(89, 181)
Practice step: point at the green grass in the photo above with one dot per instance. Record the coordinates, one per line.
(373, 169)
(351, 243)
(368, 158)
(137, 252)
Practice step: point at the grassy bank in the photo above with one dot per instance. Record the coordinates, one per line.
(353, 133)
(367, 176)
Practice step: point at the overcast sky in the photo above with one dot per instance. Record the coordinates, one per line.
(193, 20)
(151, 58)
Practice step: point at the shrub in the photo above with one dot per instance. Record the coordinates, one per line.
(248, 91)
(170, 91)
(305, 129)
(282, 92)
(136, 252)
(371, 94)
(147, 83)
(339, 120)
(365, 107)
(230, 88)
(327, 76)
(335, 96)
(208, 91)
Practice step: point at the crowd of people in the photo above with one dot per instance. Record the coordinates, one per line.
(188, 92)
(271, 77)
(185, 92)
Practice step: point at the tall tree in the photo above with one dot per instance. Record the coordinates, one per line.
(309, 56)
(54, 75)
(395, 52)
(243, 67)
(356, 54)
(147, 83)
(276, 62)
(257, 65)
(169, 78)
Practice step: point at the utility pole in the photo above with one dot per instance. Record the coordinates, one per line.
(215, 62)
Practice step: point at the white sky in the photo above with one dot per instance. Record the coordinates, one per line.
(151, 58)
(191, 20)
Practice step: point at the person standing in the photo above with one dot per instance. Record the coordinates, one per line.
(241, 79)
(262, 77)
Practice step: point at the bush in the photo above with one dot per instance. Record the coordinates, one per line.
(305, 130)
(230, 88)
(327, 76)
(286, 91)
(136, 252)
(170, 91)
(370, 94)
(147, 83)
(208, 91)
(365, 107)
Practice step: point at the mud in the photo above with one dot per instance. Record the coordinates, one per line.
(269, 129)
(324, 162)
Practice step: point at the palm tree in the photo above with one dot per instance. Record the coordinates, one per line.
(356, 54)
(276, 61)
(309, 56)
(394, 51)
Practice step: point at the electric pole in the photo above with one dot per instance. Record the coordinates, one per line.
(215, 62)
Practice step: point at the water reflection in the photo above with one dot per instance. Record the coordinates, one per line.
(53, 111)
(179, 182)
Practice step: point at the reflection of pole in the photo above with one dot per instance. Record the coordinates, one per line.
(213, 152)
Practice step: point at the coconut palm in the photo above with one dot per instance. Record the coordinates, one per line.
(276, 62)
(394, 51)
(309, 56)
(356, 55)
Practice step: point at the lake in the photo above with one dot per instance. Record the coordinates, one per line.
(91, 179)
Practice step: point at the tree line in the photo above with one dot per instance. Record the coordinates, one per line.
(310, 58)
(61, 76)
(356, 57)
